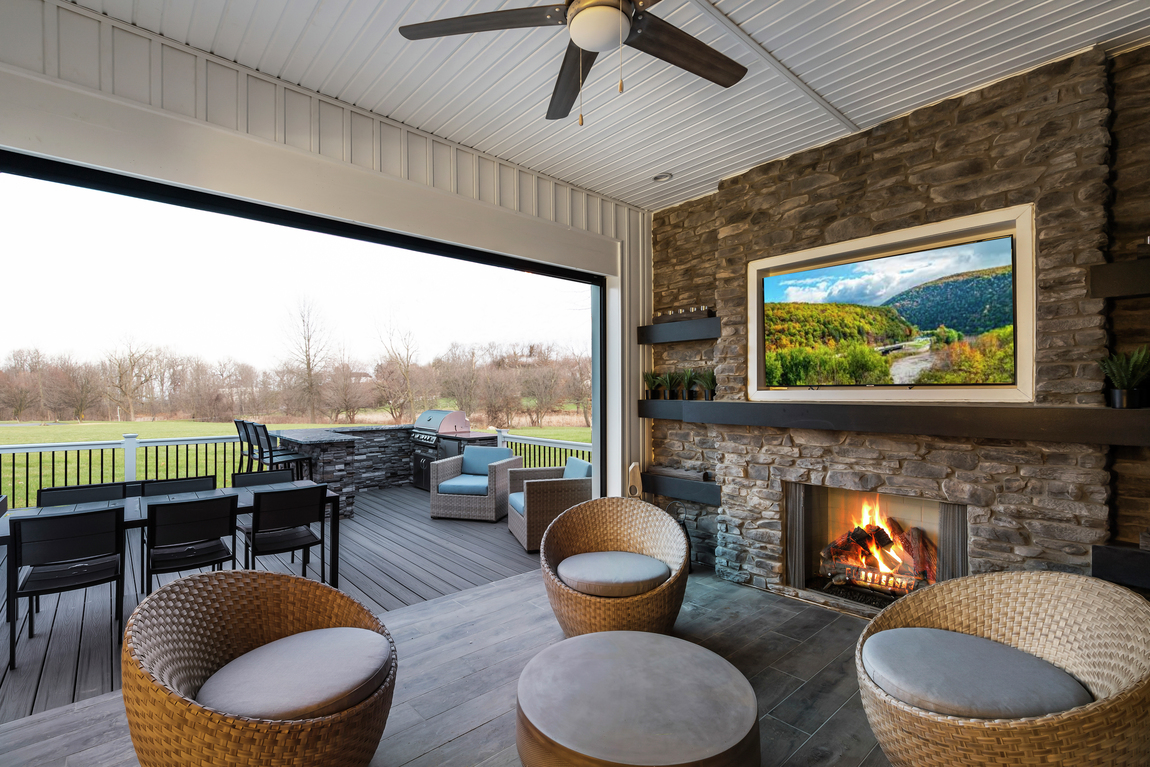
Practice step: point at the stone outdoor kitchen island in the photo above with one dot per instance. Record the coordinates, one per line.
(1042, 138)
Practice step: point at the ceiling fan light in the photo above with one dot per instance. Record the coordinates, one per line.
(597, 28)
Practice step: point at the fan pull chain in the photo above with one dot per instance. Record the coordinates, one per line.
(580, 86)
(620, 47)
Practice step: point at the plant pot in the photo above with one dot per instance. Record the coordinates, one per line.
(652, 394)
(1122, 398)
(709, 395)
(693, 394)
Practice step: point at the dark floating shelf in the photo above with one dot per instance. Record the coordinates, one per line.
(1120, 279)
(707, 493)
(1121, 563)
(683, 330)
(1081, 425)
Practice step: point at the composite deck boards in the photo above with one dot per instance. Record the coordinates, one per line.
(393, 555)
(460, 656)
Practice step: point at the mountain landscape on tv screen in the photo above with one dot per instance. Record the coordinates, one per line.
(942, 317)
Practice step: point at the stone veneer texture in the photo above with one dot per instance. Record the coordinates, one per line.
(1043, 138)
(1130, 226)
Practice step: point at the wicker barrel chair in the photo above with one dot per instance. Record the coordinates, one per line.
(615, 524)
(192, 627)
(1095, 631)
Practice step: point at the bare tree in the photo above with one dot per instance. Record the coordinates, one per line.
(458, 372)
(542, 384)
(348, 388)
(499, 395)
(308, 351)
(18, 392)
(401, 353)
(130, 372)
(390, 389)
(576, 369)
(75, 387)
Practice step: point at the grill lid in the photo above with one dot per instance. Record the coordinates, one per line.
(442, 422)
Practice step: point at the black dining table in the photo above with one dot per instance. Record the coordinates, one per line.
(136, 511)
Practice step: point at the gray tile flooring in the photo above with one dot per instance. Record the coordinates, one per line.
(460, 656)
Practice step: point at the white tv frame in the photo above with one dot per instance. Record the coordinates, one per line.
(1017, 221)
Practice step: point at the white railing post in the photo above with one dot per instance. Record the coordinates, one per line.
(130, 443)
(502, 437)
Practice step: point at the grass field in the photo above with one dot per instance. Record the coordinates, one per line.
(22, 474)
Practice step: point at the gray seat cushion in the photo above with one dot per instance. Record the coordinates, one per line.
(303, 676)
(515, 501)
(613, 573)
(968, 676)
(464, 484)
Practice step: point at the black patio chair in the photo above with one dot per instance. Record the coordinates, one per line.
(51, 553)
(282, 520)
(66, 496)
(154, 487)
(253, 478)
(247, 444)
(186, 535)
(273, 457)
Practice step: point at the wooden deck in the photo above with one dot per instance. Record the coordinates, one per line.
(392, 554)
(461, 655)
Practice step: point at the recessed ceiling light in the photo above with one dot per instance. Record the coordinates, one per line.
(665, 176)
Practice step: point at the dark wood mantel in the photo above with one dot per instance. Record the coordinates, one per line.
(1083, 425)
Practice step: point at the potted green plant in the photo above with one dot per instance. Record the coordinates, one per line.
(667, 385)
(674, 384)
(687, 380)
(705, 380)
(1126, 373)
(651, 380)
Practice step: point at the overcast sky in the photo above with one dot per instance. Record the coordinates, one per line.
(85, 271)
(870, 283)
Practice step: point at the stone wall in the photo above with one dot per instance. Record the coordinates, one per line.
(380, 456)
(1041, 137)
(1130, 226)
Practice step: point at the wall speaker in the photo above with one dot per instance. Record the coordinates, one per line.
(634, 481)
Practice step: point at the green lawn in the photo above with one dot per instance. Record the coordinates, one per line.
(22, 474)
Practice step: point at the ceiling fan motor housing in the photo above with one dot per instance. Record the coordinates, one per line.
(599, 25)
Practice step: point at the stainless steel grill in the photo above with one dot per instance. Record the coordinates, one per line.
(441, 434)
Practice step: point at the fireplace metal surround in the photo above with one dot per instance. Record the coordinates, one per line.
(799, 509)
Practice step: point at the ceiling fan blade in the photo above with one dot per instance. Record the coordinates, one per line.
(517, 18)
(665, 41)
(567, 84)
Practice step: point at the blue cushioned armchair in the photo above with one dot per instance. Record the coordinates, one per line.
(539, 495)
(473, 485)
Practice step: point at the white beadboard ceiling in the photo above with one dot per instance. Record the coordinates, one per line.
(867, 60)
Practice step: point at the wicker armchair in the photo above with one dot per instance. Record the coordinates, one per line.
(187, 630)
(1096, 631)
(546, 495)
(615, 524)
(488, 508)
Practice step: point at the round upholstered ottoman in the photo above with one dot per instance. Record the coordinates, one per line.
(635, 698)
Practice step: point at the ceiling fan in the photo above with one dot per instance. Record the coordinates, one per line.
(595, 26)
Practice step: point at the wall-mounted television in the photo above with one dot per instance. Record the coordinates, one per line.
(942, 312)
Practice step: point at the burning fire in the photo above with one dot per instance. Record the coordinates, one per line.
(879, 554)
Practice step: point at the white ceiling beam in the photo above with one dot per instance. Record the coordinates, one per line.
(753, 46)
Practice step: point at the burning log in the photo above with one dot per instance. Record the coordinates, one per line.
(880, 535)
(925, 555)
(841, 548)
(861, 537)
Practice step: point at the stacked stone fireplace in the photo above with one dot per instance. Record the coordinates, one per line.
(1043, 137)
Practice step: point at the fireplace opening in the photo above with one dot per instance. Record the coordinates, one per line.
(870, 548)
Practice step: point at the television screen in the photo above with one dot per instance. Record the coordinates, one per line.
(940, 317)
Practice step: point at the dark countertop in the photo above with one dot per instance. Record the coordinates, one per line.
(312, 436)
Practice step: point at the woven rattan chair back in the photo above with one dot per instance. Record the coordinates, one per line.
(615, 524)
(1096, 631)
(190, 628)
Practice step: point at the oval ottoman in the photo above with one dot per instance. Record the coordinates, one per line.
(616, 698)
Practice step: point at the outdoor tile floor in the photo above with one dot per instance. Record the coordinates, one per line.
(461, 654)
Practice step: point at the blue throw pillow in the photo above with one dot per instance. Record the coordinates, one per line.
(576, 469)
(476, 458)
